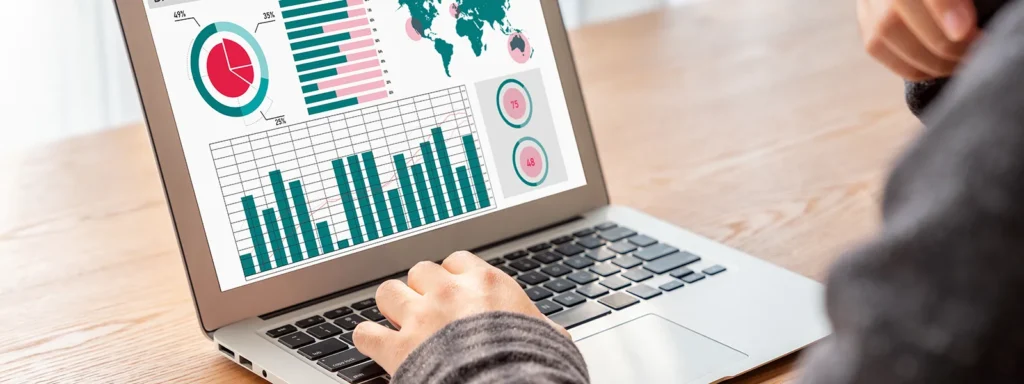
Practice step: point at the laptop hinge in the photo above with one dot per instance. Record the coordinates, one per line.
(344, 292)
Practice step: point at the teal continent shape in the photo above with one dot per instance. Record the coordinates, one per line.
(474, 16)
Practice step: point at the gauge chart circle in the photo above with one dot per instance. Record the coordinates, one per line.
(230, 69)
(530, 161)
(515, 104)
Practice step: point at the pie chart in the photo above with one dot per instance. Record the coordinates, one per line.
(229, 69)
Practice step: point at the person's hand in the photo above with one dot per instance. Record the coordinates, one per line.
(462, 286)
(918, 39)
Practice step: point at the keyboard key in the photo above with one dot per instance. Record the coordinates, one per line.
(593, 291)
(681, 272)
(637, 275)
(590, 242)
(670, 262)
(617, 233)
(643, 291)
(559, 285)
(538, 293)
(643, 241)
(533, 278)
(606, 226)
(539, 247)
(509, 271)
(569, 249)
(570, 299)
(336, 313)
(693, 278)
(579, 262)
(619, 301)
(496, 262)
(372, 314)
(323, 349)
(671, 286)
(342, 360)
(365, 304)
(387, 324)
(379, 380)
(517, 255)
(556, 270)
(361, 373)
(306, 323)
(324, 331)
(348, 338)
(297, 340)
(584, 232)
(582, 277)
(547, 307)
(521, 285)
(601, 254)
(547, 257)
(581, 314)
(615, 283)
(655, 252)
(349, 322)
(281, 331)
(714, 270)
(605, 270)
(561, 240)
(622, 247)
(524, 265)
(627, 262)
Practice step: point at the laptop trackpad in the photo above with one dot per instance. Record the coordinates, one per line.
(651, 349)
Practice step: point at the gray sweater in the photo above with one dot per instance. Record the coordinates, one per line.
(937, 297)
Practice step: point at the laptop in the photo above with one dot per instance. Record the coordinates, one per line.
(312, 149)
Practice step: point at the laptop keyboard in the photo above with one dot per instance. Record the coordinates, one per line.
(572, 279)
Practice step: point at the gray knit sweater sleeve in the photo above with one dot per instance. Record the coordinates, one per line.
(497, 347)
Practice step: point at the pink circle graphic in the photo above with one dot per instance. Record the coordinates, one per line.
(531, 162)
(454, 10)
(410, 29)
(515, 103)
(519, 47)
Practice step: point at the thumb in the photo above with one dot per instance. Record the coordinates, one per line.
(957, 18)
(378, 343)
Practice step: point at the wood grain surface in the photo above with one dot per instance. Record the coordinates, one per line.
(760, 124)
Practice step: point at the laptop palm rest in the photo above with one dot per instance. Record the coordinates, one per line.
(651, 349)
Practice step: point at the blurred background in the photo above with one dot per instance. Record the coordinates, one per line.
(72, 77)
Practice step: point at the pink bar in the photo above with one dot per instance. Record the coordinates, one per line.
(347, 24)
(356, 12)
(353, 3)
(351, 79)
(373, 97)
(360, 88)
(358, 66)
(361, 55)
(360, 33)
(356, 45)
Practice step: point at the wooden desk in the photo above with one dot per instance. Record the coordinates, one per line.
(758, 123)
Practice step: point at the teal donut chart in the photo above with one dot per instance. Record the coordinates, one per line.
(501, 110)
(197, 76)
(515, 161)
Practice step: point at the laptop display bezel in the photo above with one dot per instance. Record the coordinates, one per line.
(216, 308)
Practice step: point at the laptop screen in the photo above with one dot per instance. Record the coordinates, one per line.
(315, 129)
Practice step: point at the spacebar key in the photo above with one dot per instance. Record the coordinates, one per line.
(581, 314)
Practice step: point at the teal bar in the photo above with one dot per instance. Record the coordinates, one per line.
(467, 189)
(314, 9)
(331, 39)
(377, 189)
(421, 187)
(321, 97)
(305, 33)
(318, 75)
(310, 88)
(285, 208)
(276, 243)
(305, 222)
(435, 180)
(343, 244)
(446, 171)
(259, 243)
(346, 201)
(477, 169)
(322, 63)
(324, 230)
(406, 183)
(292, 3)
(316, 20)
(364, 199)
(317, 53)
(397, 211)
(247, 267)
(332, 106)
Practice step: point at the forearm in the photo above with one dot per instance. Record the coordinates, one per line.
(495, 347)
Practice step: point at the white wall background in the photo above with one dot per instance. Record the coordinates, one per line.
(64, 71)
